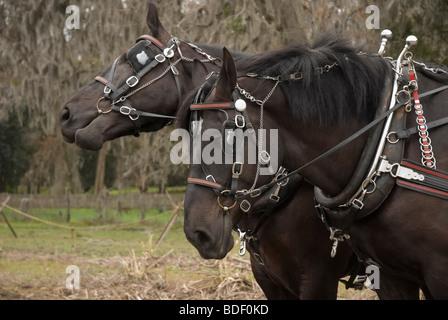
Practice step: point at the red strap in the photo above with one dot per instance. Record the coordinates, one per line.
(421, 188)
(205, 183)
(427, 155)
(415, 93)
(425, 170)
(224, 105)
(102, 80)
(152, 39)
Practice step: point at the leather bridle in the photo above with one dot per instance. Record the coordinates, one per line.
(241, 121)
(146, 61)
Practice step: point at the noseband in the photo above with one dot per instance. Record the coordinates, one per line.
(142, 60)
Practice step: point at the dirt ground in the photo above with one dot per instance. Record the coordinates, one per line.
(169, 277)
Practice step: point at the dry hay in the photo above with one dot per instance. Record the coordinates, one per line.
(169, 277)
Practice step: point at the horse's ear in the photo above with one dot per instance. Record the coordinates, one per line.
(156, 28)
(227, 78)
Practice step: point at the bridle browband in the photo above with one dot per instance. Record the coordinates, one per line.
(146, 61)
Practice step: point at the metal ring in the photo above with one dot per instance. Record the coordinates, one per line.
(397, 96)
(226, 193)
(408, 55)
(226, 208)
(397, 166)
(365, 185)
(98, 106)
(393, 133)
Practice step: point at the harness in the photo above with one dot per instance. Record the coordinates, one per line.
(384, 171)
(142, 59)
(388, 167)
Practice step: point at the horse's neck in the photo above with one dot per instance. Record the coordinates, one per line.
(333, 173)
(300, 142)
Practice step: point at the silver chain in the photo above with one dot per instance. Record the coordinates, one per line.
(261, 103)
(433, 70)
(197, 49)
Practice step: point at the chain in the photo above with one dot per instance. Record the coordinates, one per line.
(433, 70)
(261, 103)
(197, 49)
(428, 158)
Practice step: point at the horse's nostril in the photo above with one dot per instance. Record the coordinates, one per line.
(65, 114)
(202, 237)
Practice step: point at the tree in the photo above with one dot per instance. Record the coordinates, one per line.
(43, 62)
(14, 153)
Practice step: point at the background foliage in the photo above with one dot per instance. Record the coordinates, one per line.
(42, 64)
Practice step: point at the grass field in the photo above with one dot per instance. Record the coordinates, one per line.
(120, 262)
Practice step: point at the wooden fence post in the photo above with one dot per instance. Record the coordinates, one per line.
(4, 217)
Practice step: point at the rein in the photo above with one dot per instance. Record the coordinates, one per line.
(346, 141)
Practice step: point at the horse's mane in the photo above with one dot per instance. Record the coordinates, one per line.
(351, 89)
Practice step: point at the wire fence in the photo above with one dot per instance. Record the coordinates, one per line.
(169, 200)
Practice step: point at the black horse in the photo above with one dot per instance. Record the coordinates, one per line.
(329, 91)
(86, 121)
(141, 91)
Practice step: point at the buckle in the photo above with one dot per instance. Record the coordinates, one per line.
(255, 193)
(107, 90)
(358, 203)
(240, 122)
(127, 111)
(237, 168)
(274, 198)
(132, 81)
(245, 206)
(296, 76)
(160, 58)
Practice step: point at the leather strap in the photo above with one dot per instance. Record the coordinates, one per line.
(349, 139)
(406, 133)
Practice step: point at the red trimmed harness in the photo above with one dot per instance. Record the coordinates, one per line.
(425, 142)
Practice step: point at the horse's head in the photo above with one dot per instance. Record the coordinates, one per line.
(140, 91)
(226, 164)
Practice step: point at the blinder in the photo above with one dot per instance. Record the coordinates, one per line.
(142, 60)
(141, 55)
